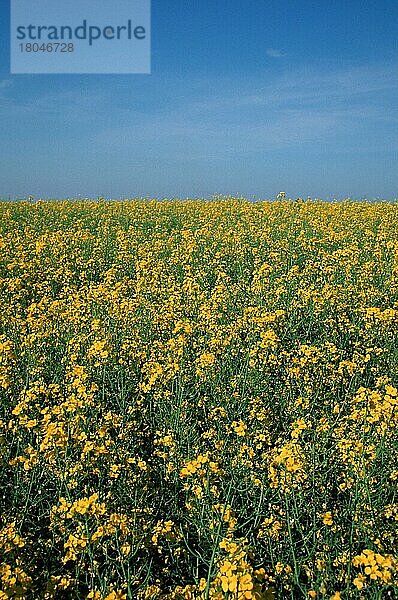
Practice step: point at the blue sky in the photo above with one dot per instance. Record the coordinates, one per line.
(245, 98)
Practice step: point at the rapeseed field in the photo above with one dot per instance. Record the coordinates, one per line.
(198, 400)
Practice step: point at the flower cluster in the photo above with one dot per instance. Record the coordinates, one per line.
(198, 400)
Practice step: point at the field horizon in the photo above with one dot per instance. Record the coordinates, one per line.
(211, 198)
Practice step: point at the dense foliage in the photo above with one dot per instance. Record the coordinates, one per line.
(198, 400)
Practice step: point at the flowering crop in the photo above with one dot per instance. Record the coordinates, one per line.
(198, 400)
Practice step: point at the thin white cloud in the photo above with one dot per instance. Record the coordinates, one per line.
(274, 53)
(305, 86)
(303, 105)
